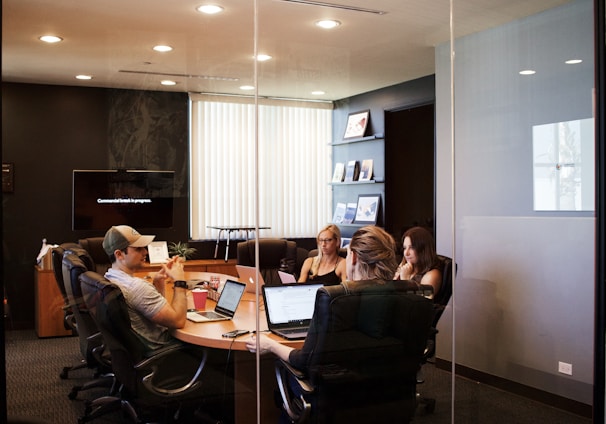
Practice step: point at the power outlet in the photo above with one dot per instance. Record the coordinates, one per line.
(565, 368)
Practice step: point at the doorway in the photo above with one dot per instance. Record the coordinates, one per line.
(409, 169)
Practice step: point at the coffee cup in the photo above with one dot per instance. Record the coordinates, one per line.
(199, 296)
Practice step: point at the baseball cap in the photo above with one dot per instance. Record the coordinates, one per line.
(120, 237)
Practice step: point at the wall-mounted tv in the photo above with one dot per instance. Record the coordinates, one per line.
(141, 199)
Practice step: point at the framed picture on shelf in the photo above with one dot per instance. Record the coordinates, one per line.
(366, 171)
(356, 124)
(345, 241)
(368, 209)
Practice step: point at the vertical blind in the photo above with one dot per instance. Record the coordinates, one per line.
(294, 167)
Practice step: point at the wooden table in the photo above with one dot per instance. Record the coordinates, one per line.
(209, 334)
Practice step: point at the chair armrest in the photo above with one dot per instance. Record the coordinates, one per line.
(293, 401)
(99, 352)
(159, 355)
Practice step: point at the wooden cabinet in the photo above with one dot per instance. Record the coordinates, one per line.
(199, 265)
(49, 305)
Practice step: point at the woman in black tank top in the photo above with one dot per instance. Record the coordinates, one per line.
(328, 267)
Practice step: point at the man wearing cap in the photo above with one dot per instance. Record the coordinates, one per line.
(150, 313)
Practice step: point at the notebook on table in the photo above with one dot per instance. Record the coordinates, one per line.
(289, 308)
(248, 274)
(226, 305)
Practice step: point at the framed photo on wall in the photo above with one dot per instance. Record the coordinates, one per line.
(368, 209)
(356, 124)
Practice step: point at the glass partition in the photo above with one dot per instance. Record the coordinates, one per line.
(511, 200)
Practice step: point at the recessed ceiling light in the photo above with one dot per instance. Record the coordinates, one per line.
(161, 48)
(84, 77)
(573, 61)
(263, 57)
(318, 93)
(168, 82)
(209, 9)
(50, 39)
(247, 87)
(528, 72)
(328, 23)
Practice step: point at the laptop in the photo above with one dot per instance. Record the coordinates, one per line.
(289, 308)
(248, 275)
(286, 277)
(226, 305)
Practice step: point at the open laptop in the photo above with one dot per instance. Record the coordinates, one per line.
(286, 278)
(289, 308)
(248, 274)
(226, 305)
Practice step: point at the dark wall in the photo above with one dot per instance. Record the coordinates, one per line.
(47, 131)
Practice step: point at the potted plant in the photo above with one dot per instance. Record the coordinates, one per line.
(181, 249)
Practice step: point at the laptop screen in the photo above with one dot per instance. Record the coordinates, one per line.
(290, 303)
(230, 296)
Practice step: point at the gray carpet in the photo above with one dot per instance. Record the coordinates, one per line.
(36, 394)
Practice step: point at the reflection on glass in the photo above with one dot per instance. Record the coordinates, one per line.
(563, 166)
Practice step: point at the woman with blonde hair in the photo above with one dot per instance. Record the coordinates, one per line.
(327, 267)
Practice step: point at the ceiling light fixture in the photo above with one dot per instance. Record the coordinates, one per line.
(162, 49)
(318, 93)
(528, 72)
(168, 82)
(328, 23)
(166, 74)
(263, 57)
(335, 6)
(573, 61)
(84, 77)
(209, 9)
(50, 39)
(247, 87)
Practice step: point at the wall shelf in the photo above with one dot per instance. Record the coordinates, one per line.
(356, 182)
(357, 140)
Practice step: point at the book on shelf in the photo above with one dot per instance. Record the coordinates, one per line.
(339, 213)
(366, 170)
(352, 171)
(339, 173)
(350, 213)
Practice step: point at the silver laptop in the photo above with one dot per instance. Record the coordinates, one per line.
(247, 275)
(289, 308)
(226, 305)
(286, 277)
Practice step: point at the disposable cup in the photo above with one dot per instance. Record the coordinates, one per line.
(199, 296)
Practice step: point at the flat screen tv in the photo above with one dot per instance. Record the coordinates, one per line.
(141, 199)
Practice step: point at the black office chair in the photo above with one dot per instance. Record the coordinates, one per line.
(167, 378)
(69, 322)
(440, 301)
(274, 255)
(360, 358)
(94, 247)
(75, 262)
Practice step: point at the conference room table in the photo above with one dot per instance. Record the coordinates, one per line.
(210, 334)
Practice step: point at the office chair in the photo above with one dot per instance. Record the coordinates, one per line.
(274, 255)
(75, 262)
(440, 301)
(166, 378)
(94, 247)
(69, 321)
(360, 358)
